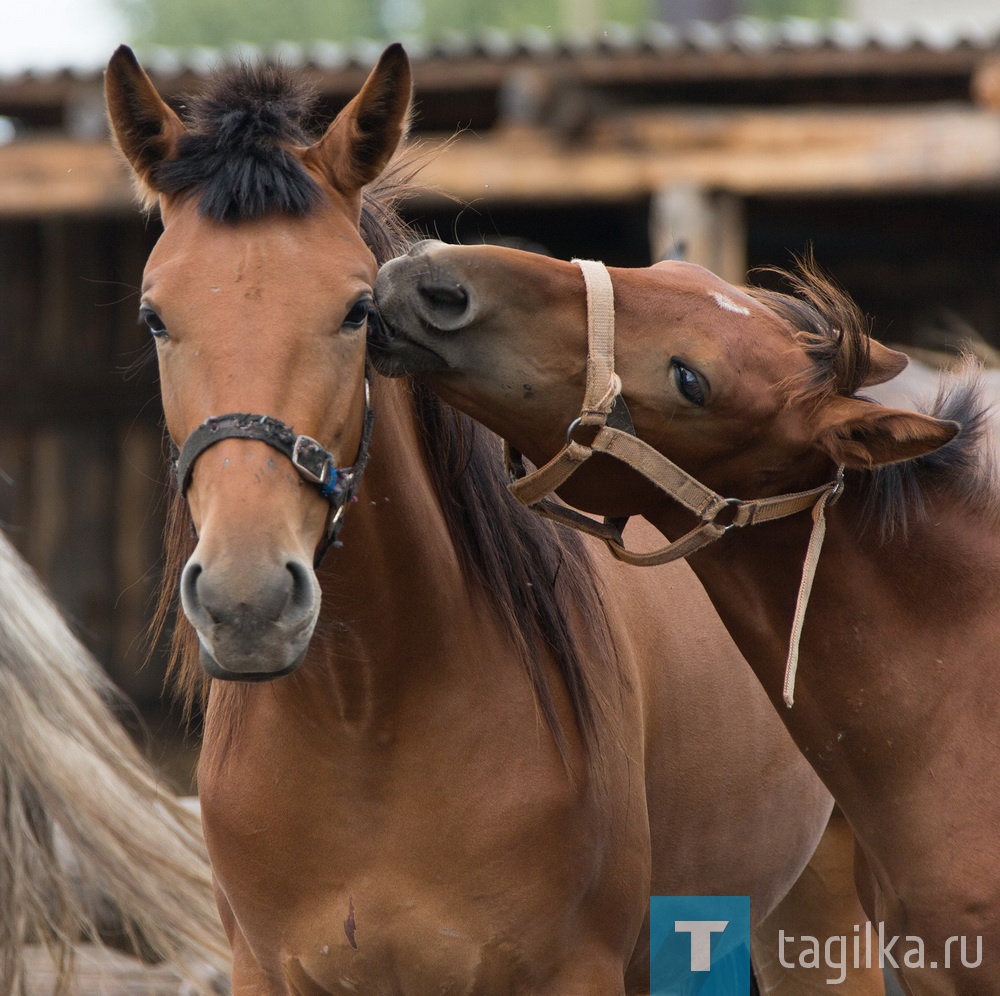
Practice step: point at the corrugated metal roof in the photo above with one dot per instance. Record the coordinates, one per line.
(740, 36)
(749, 35)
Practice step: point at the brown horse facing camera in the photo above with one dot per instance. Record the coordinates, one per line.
(488, 741)
(753, 393)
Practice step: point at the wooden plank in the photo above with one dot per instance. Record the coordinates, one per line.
(627, 155)
(14, 496)
(137, 528)
(773, 153)
(51, 396)
(612, 66)
(69, 532)
(55, 321)
(686, 64)
(59, 175)
(729, 259)
(46, 487)
(701, 226)
(986, 84)
(20, 255)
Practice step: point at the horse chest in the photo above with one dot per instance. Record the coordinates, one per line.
(413, 950)
(441, 870)
(381, 907)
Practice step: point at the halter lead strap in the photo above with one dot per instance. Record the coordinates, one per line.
(338, 485)
(602, 407)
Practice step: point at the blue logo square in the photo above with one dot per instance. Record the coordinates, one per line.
(699, 945)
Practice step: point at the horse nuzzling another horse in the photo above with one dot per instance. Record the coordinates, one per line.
(486, 741)
(753, 394)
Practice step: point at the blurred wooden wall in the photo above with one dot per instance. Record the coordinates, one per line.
(80, 441)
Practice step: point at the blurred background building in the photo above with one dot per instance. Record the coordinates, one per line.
(733, 132)
(980, 11)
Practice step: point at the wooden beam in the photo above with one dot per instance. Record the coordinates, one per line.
(986, 84)
(768, 153)
(43, 397)
(648, 65)
(62, 176)
(700, 226)
(456, 72)
(816, 152)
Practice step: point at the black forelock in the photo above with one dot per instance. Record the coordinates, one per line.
(236, 155)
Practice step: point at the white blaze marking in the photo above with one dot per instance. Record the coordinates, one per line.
(728, 304)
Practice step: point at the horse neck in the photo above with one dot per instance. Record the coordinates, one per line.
(887, 624)
(397, 580)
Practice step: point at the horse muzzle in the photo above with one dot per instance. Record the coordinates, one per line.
(253, 624)
(419, 298)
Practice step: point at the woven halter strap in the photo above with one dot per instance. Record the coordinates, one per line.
(338, 485)
(605, 418)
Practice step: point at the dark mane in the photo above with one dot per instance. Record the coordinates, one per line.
(532, 568)
(837, 339)
(538, 575)
(963, 471)
(237, 153)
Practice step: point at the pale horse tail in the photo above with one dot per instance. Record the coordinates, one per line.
(88, 830)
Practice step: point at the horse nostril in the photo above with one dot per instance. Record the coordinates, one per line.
(254, 616)
(220, 597)
(447, 296)
(301, 595)
(190, 597)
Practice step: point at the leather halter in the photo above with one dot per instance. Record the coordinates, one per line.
(338, 485)
(605, 413)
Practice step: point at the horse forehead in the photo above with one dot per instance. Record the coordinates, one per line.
(311, 241)
(312, 255)
(706, 308)
(690, 291)
(763, 354)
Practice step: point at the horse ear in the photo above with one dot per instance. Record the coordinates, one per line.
(863, 435)
(885, 363)
(359, 144)
(145, 129)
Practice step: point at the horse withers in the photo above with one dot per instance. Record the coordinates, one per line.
(753, 396)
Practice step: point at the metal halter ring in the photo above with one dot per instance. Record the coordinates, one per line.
(727, 503)
(575, 424)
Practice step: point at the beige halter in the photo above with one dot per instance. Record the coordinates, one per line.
(603, 406)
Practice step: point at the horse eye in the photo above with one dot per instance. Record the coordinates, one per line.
(358, 314)
(689, 383)
(153, 322)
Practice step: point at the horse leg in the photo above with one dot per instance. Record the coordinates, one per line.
(822, 904)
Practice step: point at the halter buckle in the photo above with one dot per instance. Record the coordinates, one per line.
(838, 487)
(311, 460)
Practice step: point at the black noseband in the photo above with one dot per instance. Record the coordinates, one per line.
(338, 485)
